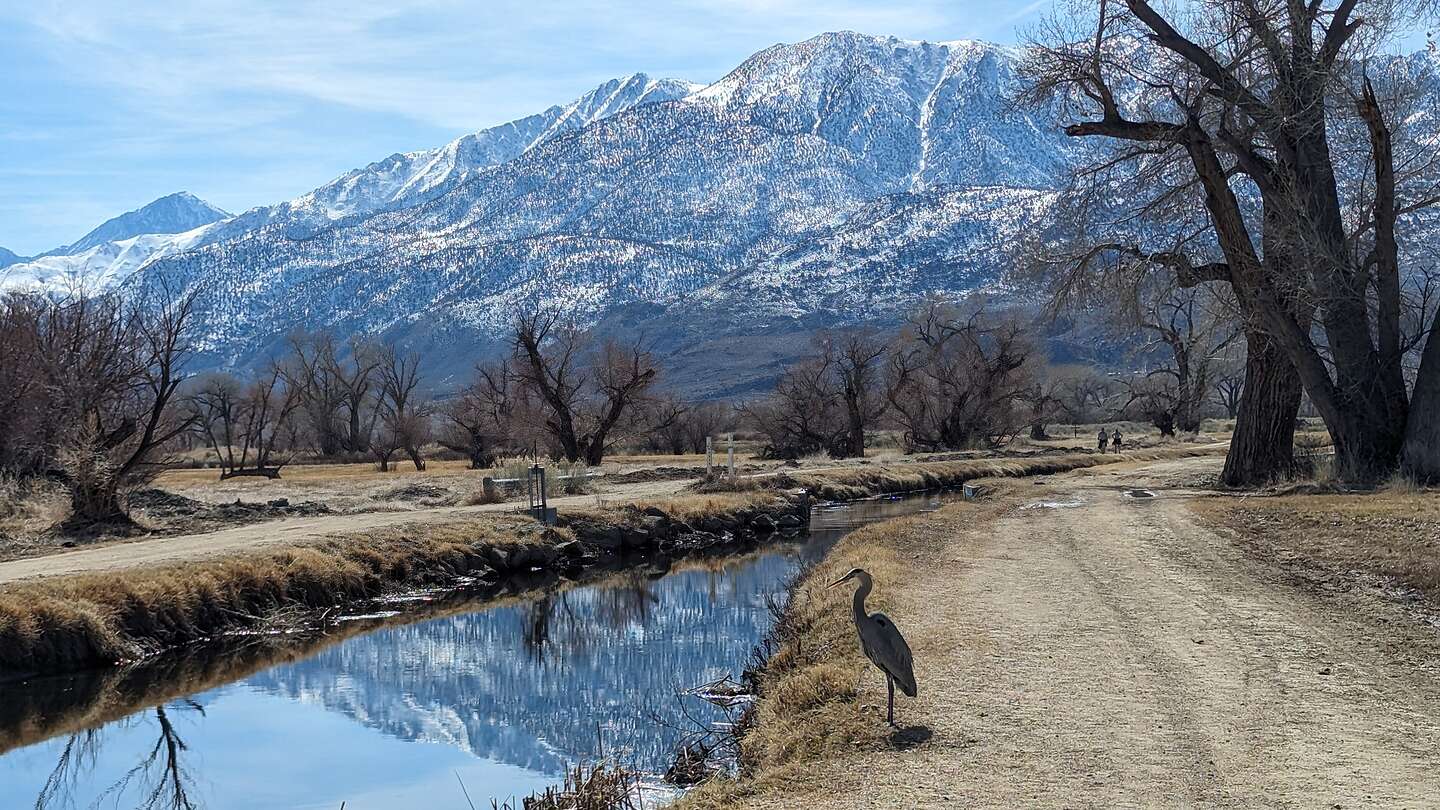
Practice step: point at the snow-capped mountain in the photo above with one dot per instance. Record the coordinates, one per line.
(119, 246)
(97, 267)
(411, 178)
(173, 213)
(822, 183)
(180, 222)
(828, 181)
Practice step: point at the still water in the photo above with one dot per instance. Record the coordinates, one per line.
(499, 697)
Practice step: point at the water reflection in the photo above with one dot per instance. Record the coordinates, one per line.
(504, 696)
(158, 781)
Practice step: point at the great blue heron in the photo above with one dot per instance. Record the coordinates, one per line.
(882, 642)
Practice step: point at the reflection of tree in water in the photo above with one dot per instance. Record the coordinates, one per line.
(535, 627)
(626, 603)
(623, 604)
(159, 778)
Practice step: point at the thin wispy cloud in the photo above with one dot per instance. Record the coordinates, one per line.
(209, 96)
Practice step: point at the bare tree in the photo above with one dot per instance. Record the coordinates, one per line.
(244, 425)
(404, 416)
(1183, 323)
(1083, 393)
(859, 363)
(1229, 385)
(583, 392)
(804, 414)
(956, 376)
(665, 424)
(338, 388)
(1278, 121)
(111, 370)
(1043, 397)
(705, 420)
(826, 402)
(675, 425)
(25, 430)
(481, 421)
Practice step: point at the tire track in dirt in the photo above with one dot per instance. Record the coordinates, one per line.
(1119, 654)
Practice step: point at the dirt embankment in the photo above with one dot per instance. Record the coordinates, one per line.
(66, 623)
(853, 483)
(1094, 646)
(1387, 540)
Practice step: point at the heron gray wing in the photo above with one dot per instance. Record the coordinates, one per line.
(890, 652)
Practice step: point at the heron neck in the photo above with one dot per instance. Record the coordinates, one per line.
(860, 594)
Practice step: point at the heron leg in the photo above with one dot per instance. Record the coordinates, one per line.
(890, 711)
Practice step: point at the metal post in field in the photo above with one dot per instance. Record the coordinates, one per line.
(709, 455)
(730, 451)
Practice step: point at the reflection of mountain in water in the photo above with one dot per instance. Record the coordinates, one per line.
(529, 684)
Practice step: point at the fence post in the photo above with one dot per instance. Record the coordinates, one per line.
(709, 455)
(730, 450)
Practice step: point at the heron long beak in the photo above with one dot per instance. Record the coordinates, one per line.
(840, 580)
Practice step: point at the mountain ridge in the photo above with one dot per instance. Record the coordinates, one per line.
(678, 205)
(400, 180)
(9, 257)
(818, 184)
(174, 213)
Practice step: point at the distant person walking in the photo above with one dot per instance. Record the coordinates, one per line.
(1115, 440)
(1103, 438)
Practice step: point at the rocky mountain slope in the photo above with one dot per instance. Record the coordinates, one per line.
(819, 183)
(180, 222)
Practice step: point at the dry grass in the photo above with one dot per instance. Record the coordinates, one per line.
(29, 508)
(1393, 534)
(92, 620)
(602, 786)
(75, 622)
(853, 483)
(710, 506)
(808, 705)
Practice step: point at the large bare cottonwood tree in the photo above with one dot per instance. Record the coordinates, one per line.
(1285, 125)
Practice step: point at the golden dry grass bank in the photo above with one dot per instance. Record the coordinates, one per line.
(808, 706)
(854, 483)
(1392, 534)
(75, 622)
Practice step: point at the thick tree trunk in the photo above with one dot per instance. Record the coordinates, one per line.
(855, 436)
(1262, 448)
(91, 506)
(594, 453)
(1420, 456)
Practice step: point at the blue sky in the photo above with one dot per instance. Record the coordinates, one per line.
(108, 105)
(105, 105)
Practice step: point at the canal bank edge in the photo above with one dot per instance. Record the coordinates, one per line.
(856, 483)
(70, 623)
(807, 703)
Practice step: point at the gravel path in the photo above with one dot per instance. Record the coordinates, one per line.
(178, 548)
(1098, 649)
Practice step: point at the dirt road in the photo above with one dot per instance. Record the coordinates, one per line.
(175, 548)
(1101, 650)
